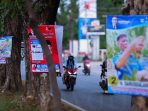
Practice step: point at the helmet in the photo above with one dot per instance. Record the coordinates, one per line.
(70, 56)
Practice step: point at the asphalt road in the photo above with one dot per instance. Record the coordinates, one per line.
(88, 95)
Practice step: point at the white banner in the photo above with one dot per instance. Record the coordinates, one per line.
(87, 9)
(59, 38)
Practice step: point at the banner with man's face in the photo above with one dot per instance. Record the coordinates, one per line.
(127, 52)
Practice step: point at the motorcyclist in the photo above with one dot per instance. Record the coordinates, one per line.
(103, 82)
(84, 60)
(104, 65)
(70, 64)
(85, 57)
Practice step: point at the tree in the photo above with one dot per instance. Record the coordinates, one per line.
(68, 17)
(133, 7)
(45, 97)
(15, 19)
(11, 24)
(104, 8)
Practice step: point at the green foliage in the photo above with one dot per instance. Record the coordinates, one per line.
(102, 42)
(104, 7)
(9, 9)
(108, 7)
(70, 25)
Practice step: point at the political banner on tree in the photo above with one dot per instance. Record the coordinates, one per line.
(127, 52)
(5, 46)
(2, 60)
(55, 46)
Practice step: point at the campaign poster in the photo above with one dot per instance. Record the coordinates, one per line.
(39, 68)
(49, 31)
(5, 46)
(2, 60)
(54, 42)
(84, 23)
(127, 53)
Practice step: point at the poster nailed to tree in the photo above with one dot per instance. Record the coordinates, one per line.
(54, 42)
(5, 48)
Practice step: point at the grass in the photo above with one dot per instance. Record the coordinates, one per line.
(15, 102)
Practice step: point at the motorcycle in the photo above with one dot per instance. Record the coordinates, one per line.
(69, 78)
(87, 67)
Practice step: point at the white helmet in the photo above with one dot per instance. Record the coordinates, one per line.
(71, 54)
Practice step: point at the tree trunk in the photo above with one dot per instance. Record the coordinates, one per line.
(2, 75)
(44, 83)
(29, 90)
(132, 7)
(12, 80)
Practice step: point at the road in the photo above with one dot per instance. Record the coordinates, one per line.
(88, 95)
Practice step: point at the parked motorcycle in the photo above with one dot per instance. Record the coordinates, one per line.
(87, 67)
(69, 78)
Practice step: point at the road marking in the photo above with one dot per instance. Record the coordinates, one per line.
(74, 106)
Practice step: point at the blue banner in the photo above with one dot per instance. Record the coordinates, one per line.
(124, 22)
(5, 46)
(83, 24)
(127, 47)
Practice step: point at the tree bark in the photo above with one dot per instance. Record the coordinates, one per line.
(132, 7)
(12, 80)
(2, 75)
(44, 94)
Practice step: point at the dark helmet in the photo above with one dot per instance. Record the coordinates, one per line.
(70, 56)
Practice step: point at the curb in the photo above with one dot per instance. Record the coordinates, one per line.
(72, 105)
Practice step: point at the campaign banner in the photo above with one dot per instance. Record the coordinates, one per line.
(127, 53)
(49, 31)
(83, 26)
(96, 30)
(36, 51)
(5, 46)
(39, 68)
(2, 60)
(59, 39)
(54, 41)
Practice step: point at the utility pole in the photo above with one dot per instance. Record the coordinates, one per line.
(70, 32)
(86, 7)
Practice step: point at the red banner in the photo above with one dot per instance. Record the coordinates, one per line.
(37, 57)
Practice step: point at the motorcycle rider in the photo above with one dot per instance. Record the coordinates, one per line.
(85, 58)
(70, 64)
(103, 82)
(104, 68)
